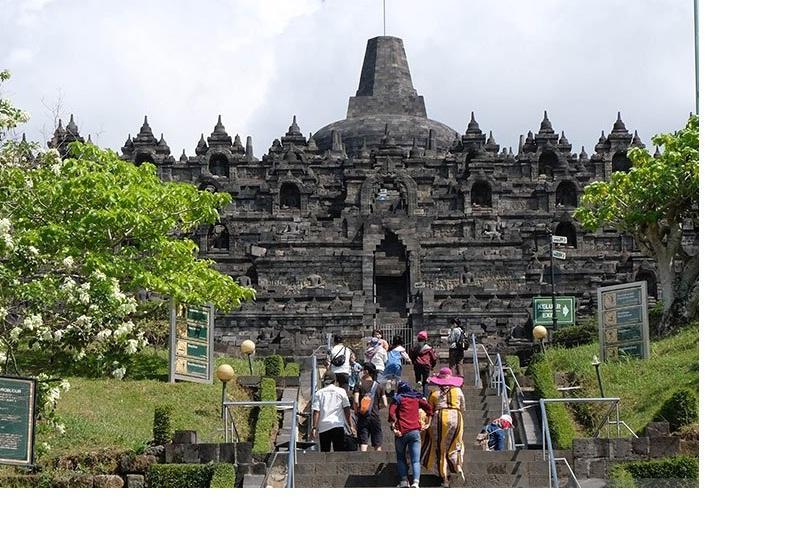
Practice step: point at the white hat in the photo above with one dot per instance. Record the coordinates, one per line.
(507, 418)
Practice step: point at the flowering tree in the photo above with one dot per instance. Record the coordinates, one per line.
(79, 237)
(653, 201)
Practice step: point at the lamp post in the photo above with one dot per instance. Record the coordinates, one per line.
(552, 280)
(596, 365)
(248, 347)
(225, 373)
(539, 333)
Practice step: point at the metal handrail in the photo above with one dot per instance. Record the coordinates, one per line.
(547, 448)
(281, 406)
(475, 363)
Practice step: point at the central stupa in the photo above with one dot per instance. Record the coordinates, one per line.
(385, 97)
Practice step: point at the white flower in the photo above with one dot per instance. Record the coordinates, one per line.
(5, 226)
(59, 427)
(103, 335)
(82, 354)
(45, 446)
(33, 250)
(3, 358)
(45, 334)
(58, 334)
(82, 321)
(3, 313)
(14, 333)
(84, 298)
(9, 241)
(65, 386)
(131, 346)
(118, 373)
(68, 284)
(29, 183)
(32, 322)
(68, 262)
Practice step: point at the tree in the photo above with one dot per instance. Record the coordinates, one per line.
(79, 237)
(653, 202)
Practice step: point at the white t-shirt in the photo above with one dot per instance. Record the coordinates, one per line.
(336, 350)
(330, 401)
(378, 359)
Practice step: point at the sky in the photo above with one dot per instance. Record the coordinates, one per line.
(258, 62)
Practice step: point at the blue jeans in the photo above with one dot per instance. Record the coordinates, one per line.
(410, 440)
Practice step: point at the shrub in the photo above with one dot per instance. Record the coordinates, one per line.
(291, 370)
(273, 366)
(267, 419)
(162, 424)
(224, 476)
(571, 336)
(179, 476)
(561, 429)
(654, 316)
(512, 361)
(680, 471)
(679, 410)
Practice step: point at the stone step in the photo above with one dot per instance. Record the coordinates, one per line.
(387, 457)
(252, 481)
(390, 479)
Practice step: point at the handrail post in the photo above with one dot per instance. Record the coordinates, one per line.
(292, 446)
(549, 445)
(475, 362)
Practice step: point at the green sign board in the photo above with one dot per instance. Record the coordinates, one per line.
(191, 343)
(622, 320)
(17, 421)
(543, 310)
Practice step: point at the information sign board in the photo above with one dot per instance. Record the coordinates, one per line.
(543, 310)
(622, 320)
(191, 343)
(559, 239)
(17, 420)
(559, 255)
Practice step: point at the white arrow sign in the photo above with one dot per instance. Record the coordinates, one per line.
(559, 239)
(559, 255)
(564, 311)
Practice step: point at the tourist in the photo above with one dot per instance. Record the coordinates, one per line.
(340, 357)
(376, 355)
(394, 363)
(443, 443)
(379, 335)
(331, 408)
(493, 435)
(423, 356)
(458, 342)
(368, 399)
(404, 419)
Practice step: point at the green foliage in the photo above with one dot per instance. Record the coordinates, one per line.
(273, 366)
(291, 370)
(620, 478)
(162, 424)
(569, 336)
(178, 476)
(224, 476)
(681, 409)
(651, 202)
(512, 361)
(679, 471)
(561, 426)
(267, 419)
(643, 385)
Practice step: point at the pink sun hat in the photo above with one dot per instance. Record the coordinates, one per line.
(446, 377)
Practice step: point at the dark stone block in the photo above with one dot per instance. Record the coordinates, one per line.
(244, 452)
(227, 453)
(689, 447)
(584, 448)
(108, 482)
(641, 446)
(185, 437)
(598, 468)
(664, 447)
(621, 449)
(208, 453)
(657, 429)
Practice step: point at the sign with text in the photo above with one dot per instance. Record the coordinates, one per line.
(622, 320)
(191, 343)
(17, 420)
(559, 239)
(543, 310)
(559, 255)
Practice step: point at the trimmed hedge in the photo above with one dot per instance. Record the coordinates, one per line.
(162, 424)
(679, 410)
(179, 476)
(571, 336)
(562, 431)
(267, 419)
(224, 476)
(273, 366)
(679, 471)
(291, 370)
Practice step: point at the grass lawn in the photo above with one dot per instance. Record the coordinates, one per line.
(641, 384)
(109, 413)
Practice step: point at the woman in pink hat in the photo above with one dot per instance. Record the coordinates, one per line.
(443, 444)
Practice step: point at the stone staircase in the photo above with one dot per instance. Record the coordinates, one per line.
(519, 468)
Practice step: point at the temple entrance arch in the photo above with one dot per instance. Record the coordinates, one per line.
(391, 276)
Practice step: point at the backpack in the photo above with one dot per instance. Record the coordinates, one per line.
(339, 358)
(365, 404)
(463, 342)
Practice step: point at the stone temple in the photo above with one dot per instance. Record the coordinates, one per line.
(388, 217)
